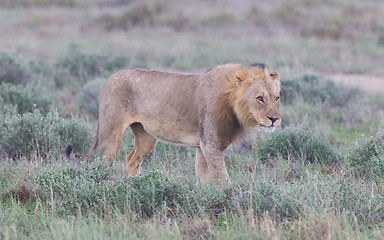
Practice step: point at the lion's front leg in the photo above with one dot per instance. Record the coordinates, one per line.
(217, 171)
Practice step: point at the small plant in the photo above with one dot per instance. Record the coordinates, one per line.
(221, 18)
(298, 144)
(141, 15)
(35, 134)
(89, 97)
(90, 187)
(152, 192)
(26, 98)
(11, 71)
(367, 159)
(77, 68)
(316, 89)
(84, 185)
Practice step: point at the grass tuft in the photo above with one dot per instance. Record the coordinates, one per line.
(367, 159)
(299, 144)
(43, 136)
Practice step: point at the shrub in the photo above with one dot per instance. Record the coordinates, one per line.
(221, 18)
(316, 89)
(297, 143)
(265, 196)
(316, 193)
(380, 39)
(26, 98)
(40, 70)
(152, 192)
(90, 187)
(140, 15)
(77, 68)
(367, 159)
(89, 97)
(117, 63)
(77, 187)
(34, 134)
(11, 70)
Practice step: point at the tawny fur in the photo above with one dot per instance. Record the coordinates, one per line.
(207, 112)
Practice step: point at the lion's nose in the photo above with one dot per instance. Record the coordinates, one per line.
(273, 119)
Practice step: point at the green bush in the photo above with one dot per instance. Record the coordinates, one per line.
(315, 89)
(148, 194)
(367, 159)
(90, 187)
(116, 64)
(26, 98)
(297, 143)
(140, 15)
(40, 70)
(89, 97)
(316, 193)
(220, 18)
(11, 70)
(77, 68)
(35, 134)
(93, 189)
(77, 187)
(265, 196)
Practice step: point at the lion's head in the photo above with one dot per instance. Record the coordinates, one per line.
(253, 94)
(257, 97)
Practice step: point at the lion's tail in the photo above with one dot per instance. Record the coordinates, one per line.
(69, 149)
(95, 144)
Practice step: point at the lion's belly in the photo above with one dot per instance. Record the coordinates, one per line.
(177, 134)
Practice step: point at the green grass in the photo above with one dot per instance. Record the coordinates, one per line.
(302, 181)
(337, 203)
(307, 180)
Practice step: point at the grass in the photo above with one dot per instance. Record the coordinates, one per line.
(263, 206)
(319, 176)
(304, 181)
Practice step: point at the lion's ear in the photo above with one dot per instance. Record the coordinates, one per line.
(276, 78)
(240, 78)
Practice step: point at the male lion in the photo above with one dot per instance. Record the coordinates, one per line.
(206, 112)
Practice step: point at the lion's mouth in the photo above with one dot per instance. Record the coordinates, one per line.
(272, 125)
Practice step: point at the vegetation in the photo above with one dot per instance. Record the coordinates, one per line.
(298, 144)
(42, 136)
(367, 159)
(320, 175)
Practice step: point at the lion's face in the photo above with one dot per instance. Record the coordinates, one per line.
(261, 97)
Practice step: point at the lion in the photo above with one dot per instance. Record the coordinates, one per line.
(207, 112)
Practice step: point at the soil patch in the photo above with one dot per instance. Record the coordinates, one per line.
(366, 82)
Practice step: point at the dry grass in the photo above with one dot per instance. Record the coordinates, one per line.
(169, 35)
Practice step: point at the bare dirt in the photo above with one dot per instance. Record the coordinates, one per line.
(368, 83)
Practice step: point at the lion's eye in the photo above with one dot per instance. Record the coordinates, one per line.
(277, 99)
(261, 99)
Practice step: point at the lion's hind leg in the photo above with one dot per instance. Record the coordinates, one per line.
(144, 144)
(201, 167)
(110, 137)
